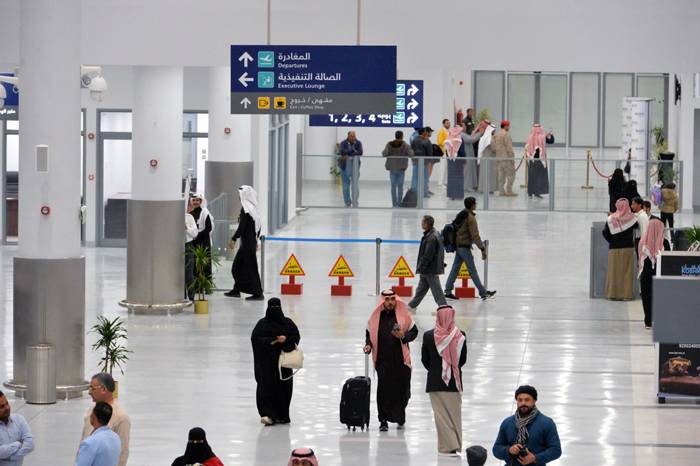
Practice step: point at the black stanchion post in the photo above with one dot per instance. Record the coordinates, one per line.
(262, 261)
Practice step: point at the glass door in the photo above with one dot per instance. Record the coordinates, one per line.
(11, 182)
(114, 190)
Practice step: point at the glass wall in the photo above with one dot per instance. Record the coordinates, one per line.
(582, 109)
(585, 108)
(114, 165)
(521, 105)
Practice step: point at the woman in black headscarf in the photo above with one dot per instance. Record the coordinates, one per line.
(272, 335)
(631, 191)
(616, 187)
(198, 451)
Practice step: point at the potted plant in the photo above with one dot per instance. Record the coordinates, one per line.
(484, 114)
(111, 334)
(205, 259)
(692, 235)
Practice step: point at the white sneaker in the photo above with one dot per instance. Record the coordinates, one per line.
(266, 420)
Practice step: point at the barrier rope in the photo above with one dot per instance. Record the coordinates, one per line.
(598, 171)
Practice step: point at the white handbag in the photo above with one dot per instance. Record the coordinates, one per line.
(291, 360)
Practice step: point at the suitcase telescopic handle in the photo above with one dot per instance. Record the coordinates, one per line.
(367, 365)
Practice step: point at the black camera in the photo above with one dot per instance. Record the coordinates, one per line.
(523, 452)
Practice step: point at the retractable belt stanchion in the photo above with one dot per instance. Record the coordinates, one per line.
(588, 172)
(527, 171)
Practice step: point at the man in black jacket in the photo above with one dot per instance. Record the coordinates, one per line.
(431, 264)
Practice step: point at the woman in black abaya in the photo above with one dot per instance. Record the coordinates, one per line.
(246, 278)
(272, 335)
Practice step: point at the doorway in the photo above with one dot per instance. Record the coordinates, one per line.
(278, 172)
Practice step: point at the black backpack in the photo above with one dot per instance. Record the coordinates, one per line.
(449, 237)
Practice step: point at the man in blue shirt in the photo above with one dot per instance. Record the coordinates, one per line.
(16, 439)
(349, 171)
(528, 437)
(102, 447)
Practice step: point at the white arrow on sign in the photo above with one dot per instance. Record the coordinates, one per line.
(244, 79)
(413, 90)
(412, 118)
(245, 102)
(245, 58)
(412, 104)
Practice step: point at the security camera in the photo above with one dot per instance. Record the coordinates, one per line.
(91, 79)
(98, 88)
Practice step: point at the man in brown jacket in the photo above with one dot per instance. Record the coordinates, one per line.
(467, 234)
(502, 146)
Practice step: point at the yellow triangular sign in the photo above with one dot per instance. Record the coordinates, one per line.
(292, 267)
(401, 269)
(341, 269)
(463, 271)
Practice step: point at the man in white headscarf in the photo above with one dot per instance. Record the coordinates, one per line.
(191, 232)
(246, 278)
(205, 224)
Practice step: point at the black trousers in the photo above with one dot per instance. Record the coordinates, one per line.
(645, 285)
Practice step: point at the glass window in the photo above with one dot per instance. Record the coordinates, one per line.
(585, 107)
(521, 105)
(488, 93)
(654, 87)
(195, 123)
(553, 105)
(617, 86)
(115, 122)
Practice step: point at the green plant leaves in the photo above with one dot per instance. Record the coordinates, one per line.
(110, 333)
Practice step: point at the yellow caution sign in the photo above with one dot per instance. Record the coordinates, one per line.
(463, 271)
(292, 267)
(401, 269)
(264, 103)
(341, 269)
(280, 103)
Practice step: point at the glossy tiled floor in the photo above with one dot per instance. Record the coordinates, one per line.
(592, 361)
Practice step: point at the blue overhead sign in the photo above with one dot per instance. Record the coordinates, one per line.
(408, 111)
(312, 79)
(11, 107)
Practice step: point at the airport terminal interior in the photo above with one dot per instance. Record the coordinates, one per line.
(319, 152)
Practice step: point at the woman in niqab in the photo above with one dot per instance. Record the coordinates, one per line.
(273, 334)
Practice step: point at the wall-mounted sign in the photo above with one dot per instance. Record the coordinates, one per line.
(10, 110)
(408, 111)
(312, 79)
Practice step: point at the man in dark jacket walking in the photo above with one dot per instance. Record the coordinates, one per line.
(431, 264)
(398, 152)
(467, 234)
(527, 437)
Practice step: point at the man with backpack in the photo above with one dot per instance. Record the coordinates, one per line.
(466, 235)
(431, 264)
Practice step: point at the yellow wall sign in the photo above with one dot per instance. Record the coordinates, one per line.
(292, 267)
(280, 103)
(264, 103)
(341, 269)
(463, 271)
(401, 269)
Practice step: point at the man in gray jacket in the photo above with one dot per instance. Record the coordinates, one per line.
(397, 163)
(431, 264)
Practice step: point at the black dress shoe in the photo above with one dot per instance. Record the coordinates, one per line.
(232, 294)
(383, 426)
(255, 298)
(451, 296)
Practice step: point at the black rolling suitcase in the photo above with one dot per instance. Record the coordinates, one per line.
(410, 199)
(354, 401)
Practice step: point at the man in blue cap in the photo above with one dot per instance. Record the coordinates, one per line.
(527, 437)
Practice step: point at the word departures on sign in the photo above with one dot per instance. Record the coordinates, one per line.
(407, 112)
(402, 271)
(341, 269)
(313, 79)
(292, 268)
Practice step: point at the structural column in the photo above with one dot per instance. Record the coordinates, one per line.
(155, 212)
(49, 270)
(230, 161)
